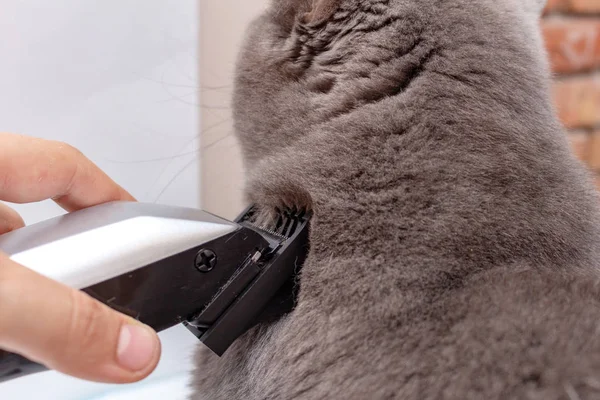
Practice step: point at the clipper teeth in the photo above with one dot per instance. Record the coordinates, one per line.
(285, 224)
(271, 232)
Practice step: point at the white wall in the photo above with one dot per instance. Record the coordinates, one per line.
(119, 80)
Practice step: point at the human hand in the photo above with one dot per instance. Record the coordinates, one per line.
(41, 319)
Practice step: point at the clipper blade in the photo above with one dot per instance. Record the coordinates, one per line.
(272, 292)
(283, 226)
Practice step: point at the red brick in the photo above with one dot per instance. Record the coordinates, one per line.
(578, 101)
(575, 6)
(597, 177)
(556, 5)
(573, 45)
(585, 6)
(593, 152)
(581, 145)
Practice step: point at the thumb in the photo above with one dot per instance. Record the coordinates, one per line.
(68, 331)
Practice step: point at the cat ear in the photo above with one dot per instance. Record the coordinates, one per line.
(321, 10)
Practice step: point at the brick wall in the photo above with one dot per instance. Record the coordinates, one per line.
(572, 33)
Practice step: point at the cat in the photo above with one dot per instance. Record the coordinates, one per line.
(455, 243)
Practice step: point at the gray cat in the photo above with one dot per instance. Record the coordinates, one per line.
(455, 244)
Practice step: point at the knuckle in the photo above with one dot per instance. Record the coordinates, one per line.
(87, 324)
(65, 147)
(66, 152)
(69, 161)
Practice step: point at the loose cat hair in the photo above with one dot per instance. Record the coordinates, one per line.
(454, 244)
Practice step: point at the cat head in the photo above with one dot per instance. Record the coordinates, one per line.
(271, 103)
(304, 61)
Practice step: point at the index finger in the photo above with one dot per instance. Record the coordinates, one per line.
(33, 169)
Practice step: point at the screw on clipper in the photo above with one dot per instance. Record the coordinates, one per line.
(206, 260)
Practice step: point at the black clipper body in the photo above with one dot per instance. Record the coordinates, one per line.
(262, 288)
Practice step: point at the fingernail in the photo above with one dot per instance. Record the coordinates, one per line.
(137, 345)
